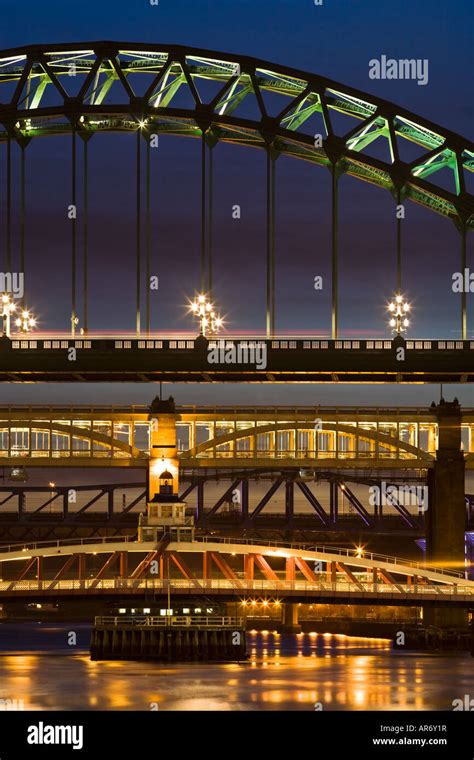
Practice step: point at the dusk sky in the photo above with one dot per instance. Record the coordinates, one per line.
(337, 40)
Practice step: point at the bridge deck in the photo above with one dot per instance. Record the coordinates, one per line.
(370, 576)
(280, 360)
(338, 592)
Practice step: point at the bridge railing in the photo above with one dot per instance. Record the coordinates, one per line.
(35, 411)
(64, 543)
(166, 621)
(341, 552)
(313, 454)
(277, 546)
(239, 586)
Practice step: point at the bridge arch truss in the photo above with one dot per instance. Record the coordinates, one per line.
(228, 569)
(85, 89)
(226, 437)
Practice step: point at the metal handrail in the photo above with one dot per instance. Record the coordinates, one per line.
(196, 408)
(241, 586)
(341, 552)
(167, 621)
(26, 547)
(344, 552)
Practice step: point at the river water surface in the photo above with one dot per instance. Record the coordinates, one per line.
(306, 672)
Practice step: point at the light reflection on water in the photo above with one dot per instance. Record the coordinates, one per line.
(283, 673)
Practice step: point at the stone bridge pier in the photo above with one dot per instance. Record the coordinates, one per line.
(446, 514)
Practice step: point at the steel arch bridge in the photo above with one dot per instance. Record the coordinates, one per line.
(228, 437)
(86, 88)
(228, 569)
(290, 446)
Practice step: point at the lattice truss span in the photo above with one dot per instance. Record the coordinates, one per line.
(96, 87)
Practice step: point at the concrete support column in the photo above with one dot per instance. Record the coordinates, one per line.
(163, 445)
(289, 618)
(446, 514)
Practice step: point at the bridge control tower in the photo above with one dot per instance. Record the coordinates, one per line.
(165, 514)
(165, 511)
(163, 444)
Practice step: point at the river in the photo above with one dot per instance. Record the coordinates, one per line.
(39, 670)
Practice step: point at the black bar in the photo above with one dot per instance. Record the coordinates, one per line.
(368, 734)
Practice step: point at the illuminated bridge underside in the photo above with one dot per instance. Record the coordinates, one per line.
(225, 569)
(286, 361)
(227, 437)
(105, 86)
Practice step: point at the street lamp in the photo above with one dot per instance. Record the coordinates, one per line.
(203, 310)
(7, 308)
(25, 322)
(74, 323)
(398, 310)
(51, 494)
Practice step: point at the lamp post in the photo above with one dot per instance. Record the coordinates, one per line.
(51, 494)
(26, 322)
(398, 310)
(209, 322)
(7, 308)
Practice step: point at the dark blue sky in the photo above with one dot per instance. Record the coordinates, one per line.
(336, 39)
